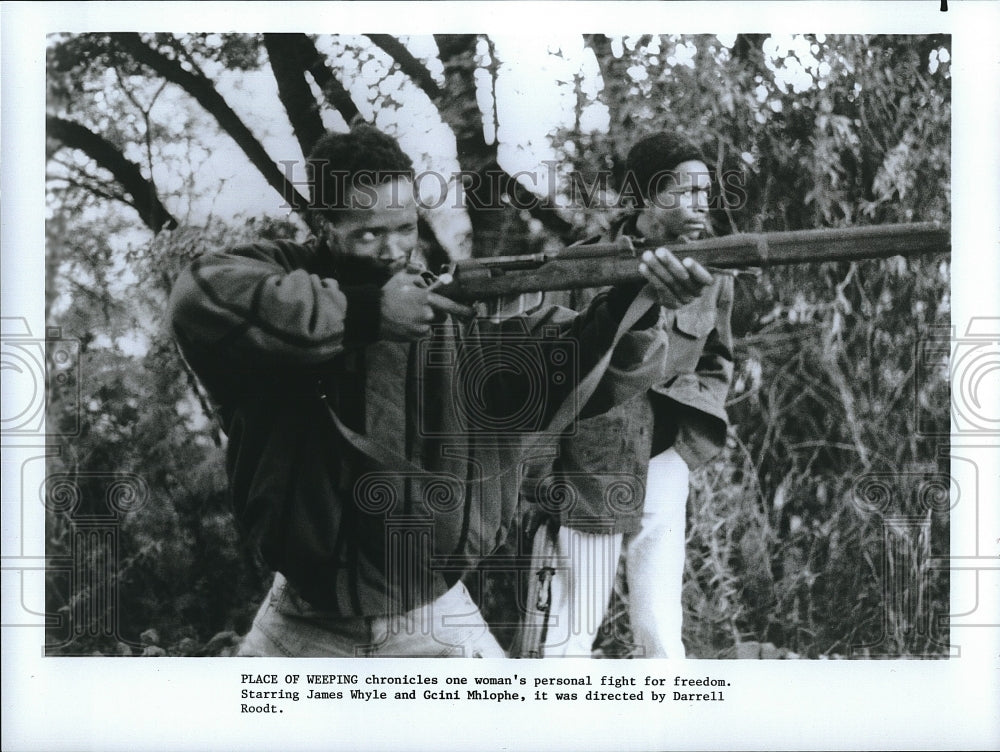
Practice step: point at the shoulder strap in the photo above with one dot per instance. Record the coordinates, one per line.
(563, 416)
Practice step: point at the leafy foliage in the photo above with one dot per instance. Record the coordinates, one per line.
(828, 391)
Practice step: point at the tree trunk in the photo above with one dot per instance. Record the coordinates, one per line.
(496, 226)
(293, 89)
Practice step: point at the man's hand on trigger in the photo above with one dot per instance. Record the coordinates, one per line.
(406, 313)
(673, 283)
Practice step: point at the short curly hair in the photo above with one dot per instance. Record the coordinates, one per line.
(652, 156)
(363, 156)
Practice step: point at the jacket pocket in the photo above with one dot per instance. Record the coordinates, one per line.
(599, 442)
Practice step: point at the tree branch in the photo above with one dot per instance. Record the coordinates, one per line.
(204, 92)
(408, 64)
(93, 189)
(126, 172)
(494, 75)
(313, 61)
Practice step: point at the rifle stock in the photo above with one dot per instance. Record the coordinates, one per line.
(603, 264)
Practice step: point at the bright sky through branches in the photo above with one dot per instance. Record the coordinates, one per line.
(542, 84)
(537, 78)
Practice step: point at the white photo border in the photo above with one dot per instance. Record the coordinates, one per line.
(191, 704)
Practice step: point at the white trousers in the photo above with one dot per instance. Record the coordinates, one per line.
(654, 565)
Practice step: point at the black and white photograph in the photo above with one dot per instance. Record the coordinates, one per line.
(515, 332)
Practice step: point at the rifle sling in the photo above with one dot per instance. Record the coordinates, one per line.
(579, 397)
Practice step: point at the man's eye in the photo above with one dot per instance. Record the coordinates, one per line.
(366, 236)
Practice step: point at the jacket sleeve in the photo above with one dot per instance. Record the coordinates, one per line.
(260, 305)
(690, 411)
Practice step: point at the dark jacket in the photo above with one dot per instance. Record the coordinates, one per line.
(598, 480)
(274, 330)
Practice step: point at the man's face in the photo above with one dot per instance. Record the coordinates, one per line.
(680, 207)
(380, 223)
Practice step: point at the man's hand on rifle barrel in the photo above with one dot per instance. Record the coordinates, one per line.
(674, 283)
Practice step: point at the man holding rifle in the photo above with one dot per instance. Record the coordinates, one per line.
(593, 495)
(354, 470)
(655, 437)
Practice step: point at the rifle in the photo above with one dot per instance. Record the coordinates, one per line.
(603, 264)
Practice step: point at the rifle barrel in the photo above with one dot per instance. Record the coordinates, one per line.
(600, 265)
